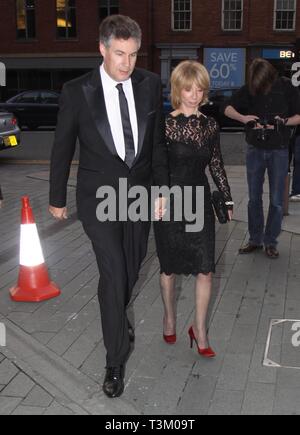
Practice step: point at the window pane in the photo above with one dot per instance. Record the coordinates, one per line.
(233, 14)
(21, 19)
(285, 20)
(29, 98)
(182, 14)
(61, 18)
(31, 24)
(25, 19)
(108, 7)
(48, 97)
(114, 10)
(103, 13)
(226, 5)
(30, 4)
(66, 19)
(61, 4)
(72, 28)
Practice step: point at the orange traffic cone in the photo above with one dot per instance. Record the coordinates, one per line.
(34, 284)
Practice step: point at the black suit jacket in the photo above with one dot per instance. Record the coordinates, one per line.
(83, 115)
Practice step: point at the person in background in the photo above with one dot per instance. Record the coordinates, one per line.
(265, 101)
(295, 195)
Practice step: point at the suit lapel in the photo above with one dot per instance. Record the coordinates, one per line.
(140, 86)
(93, 91)
(94, 95)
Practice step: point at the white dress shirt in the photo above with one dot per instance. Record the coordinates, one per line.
(111, 96)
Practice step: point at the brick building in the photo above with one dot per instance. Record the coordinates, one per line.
(44, 43)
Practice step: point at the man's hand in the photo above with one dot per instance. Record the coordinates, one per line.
(160, 208)
(58, 213)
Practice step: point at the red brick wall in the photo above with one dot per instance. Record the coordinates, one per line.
(262, 21)
(46, 41)
(258, 27)
(207, 25)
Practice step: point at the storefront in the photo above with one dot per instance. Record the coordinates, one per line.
(172, 54)
(281, 57)
(47, 73)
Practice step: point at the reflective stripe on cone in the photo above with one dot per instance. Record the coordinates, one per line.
(34, 284)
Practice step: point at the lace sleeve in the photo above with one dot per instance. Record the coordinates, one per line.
(216, 165)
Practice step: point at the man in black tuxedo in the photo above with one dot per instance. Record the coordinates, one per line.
(116, 112)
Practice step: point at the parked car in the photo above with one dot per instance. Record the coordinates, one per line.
(213, 108)
(33, 108)
(9, 131)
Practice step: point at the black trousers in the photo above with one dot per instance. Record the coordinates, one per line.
(120, 248)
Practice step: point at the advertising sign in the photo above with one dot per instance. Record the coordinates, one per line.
(226, 67)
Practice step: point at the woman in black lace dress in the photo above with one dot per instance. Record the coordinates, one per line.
(193, 142)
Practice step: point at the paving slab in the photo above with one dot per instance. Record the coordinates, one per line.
(54, 360)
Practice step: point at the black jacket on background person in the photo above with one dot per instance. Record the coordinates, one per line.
(1, 196)
(283, 100)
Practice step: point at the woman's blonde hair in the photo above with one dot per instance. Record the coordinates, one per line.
(184, 76)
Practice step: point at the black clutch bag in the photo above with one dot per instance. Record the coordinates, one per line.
(221, 209)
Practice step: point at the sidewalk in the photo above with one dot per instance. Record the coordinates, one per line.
(54, 359)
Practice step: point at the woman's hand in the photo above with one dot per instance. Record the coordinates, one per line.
(160, 208)
(230, 215)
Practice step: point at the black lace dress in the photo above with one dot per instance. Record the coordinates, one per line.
(193, 144)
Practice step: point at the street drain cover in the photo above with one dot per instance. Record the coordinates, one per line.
(283, 344)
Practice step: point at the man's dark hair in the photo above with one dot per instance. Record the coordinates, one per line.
(119, 27)
(262, 76)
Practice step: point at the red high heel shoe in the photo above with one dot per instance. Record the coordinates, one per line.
(206, 353)
(170, 339)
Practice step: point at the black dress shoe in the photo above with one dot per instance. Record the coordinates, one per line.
(114, 382)
(249, 248)
(271, 252)
(131, 332)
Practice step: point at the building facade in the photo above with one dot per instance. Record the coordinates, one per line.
(44, 43)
